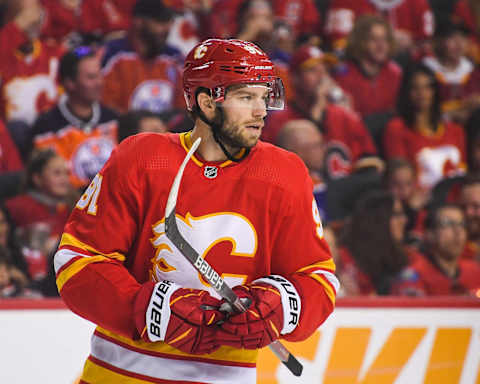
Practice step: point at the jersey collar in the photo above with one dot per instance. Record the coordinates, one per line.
(186, 142)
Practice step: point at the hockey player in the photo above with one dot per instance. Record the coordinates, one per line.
(244, 205)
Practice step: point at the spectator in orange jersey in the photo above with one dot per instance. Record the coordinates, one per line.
(319, 99)
(459, 80)
(28, 65)
(41, 212)
(419, 134)
(369, 75)
(141, 70)
(470, 202)
(371, 248)
(441, 270)
(79, 128)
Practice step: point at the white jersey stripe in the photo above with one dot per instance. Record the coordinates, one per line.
(332, 279)
(63, 256)
(168, 369)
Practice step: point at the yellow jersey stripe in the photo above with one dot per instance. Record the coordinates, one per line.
(68, 239)
(76, 267)
(326, 264)
(328, 288)
(224, 353)
(94, 373)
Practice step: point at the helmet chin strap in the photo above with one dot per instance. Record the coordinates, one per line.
(216, 126)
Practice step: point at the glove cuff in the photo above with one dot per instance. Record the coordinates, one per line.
(291, 302)
(158, 311)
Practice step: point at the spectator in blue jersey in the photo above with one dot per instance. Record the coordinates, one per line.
(79, 128)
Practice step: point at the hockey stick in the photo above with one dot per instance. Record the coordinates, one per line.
(202, 266)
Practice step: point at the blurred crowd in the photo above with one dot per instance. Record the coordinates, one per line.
(383, 106)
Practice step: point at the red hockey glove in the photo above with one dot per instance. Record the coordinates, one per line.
(274, 311)
(183, 318)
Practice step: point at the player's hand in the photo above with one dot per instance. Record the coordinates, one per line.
(184, 318)
(274, 310)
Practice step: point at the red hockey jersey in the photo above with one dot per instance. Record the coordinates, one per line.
(371, 94)
(248, 219)
(423, 277)
(344, 132)
(28, 83)
(413, 16)
(435, 156)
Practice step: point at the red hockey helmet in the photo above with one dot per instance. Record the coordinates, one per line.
(216, 64)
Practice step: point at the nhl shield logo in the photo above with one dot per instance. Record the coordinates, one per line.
(210, 171)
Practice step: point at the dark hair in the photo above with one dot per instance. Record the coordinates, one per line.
(405, 107)
(69, 62)
(368, 237)
(152, 9)
(358, 36)
(129, 123)
(393, 165)
(38, 161)
(13, 251)
(430, 222)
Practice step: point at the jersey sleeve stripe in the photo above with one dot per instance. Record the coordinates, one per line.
(70, 240)
(329, 290)
(75, 267)
(327, 265)
(332, 279)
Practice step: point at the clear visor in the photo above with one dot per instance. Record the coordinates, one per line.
(271, 94)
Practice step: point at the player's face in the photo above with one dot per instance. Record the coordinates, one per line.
(470, 199)
(244, 110)
(450, 233)
(421, 92)
(377, 46)
(89, 79)
(54, 178)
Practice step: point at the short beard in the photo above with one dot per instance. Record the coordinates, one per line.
(228, 134)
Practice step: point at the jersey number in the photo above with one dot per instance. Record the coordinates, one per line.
(90, 196)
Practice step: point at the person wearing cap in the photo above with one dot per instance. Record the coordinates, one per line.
(319, 99)
(141, 70)
(458, 78)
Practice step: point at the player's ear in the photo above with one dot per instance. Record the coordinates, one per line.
(206, 104)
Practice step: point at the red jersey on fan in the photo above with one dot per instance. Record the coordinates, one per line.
(413, 16)
(117, 228)
(344, 132)
(423, 277)
(131, 82)
(28, 83)
(301, 15)
(371, 94)
(9, 156)
(436, 156)
(104, 16)
(463, 14)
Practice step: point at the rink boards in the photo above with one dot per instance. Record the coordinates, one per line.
(365, 341)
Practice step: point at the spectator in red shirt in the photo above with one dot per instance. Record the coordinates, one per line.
(317, 98)
(9, 157)
(28, 68)
(470, 202)
(369, 75)
(440, 270)
(412, 20)
(420, 135)
(459, 80)
(371, 252)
